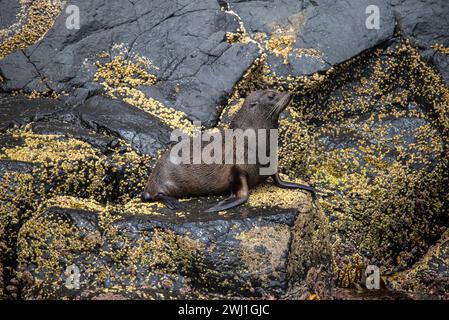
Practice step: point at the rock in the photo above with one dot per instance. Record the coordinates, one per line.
(405, 129)
(17, 72)
(2, 294)
(85, 163)
(9, 223)
(429, 276)
(41, 291)
(9, 11)
(425, 22)
(98, 122)
(365, 294)
(17, 111)
(326, 28)
(14, 166)
(142, 131)
(312, 36)
(260, 16)
(68, 129)
(196, 69)
(252, 251)
(441, 61)
(366, 135)
(36, 166)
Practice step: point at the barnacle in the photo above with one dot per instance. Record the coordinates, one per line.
(35, 19)
(385, 187)
(121, 78)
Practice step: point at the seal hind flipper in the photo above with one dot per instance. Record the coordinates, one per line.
(292, 185)
(226, 204)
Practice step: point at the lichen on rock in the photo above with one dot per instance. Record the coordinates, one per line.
(122, 76)
(368, 128)
(35, 19)
(371, 134)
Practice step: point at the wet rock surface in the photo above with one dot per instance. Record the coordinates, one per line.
(429, 276)
(143, 132)
(85, 112)
(315, 35)
(245, 252)
(424, 23)
(7, 17)
(196, 67)
(16, 111)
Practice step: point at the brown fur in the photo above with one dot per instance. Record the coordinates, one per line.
(260, 110)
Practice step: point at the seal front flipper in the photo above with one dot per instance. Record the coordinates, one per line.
(292, 185)
(170, 202)
(241, 191)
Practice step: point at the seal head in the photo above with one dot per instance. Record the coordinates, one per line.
(261, 110)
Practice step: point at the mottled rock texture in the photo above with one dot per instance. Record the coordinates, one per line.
(250, 252)
(429, 276)
(84, 113)
(425, 23)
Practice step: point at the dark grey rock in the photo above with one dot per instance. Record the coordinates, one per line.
(426, 21)
(142, 131)
(185, 40)
(20, 110)
(18, 72)
(8, 13)
(336, 29)
(441, 61)
(14, 166)
(426, 24)
(404, 129)
(429, 276)
(262, 16)
(52, 126)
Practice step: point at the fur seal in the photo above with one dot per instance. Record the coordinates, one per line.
(169, 181)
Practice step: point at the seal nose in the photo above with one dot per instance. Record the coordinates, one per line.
(146, 196)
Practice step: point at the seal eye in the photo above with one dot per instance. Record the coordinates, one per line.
(254, 104)
(271, 95)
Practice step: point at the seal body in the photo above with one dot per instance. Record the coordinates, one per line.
(169, 181)
(178, 180)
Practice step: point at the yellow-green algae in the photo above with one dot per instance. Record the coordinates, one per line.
(66, 166)
(121, 78)
(61, 166)
(275, 239)
(279, 42)
(35, 19)
(388, 207)
(420, 278)
(391, 205)
(50, 244)
(310, 247)
(438, 47)
(269, 195)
